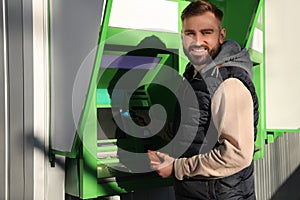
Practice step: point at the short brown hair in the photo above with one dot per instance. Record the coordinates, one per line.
(199, 7)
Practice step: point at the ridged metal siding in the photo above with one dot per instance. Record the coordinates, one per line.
(280, 161)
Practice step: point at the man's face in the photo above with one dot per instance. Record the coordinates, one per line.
(202, 36)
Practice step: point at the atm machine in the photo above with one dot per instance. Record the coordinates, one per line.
(117, 88)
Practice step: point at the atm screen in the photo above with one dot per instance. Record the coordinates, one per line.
(113, 67)
(129, 62)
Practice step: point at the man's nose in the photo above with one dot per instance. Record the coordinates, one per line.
(199, 40)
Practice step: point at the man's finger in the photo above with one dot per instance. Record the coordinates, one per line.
(154, 167)
(153, 162)
(162, 155)
(153, 156)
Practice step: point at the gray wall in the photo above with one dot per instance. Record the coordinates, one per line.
(280, 161)
(20, 120)
(2, 115)
(28, 98)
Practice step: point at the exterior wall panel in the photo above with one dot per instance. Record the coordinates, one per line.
(280, 161)
(2, 110)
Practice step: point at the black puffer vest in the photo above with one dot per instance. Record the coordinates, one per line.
(237, 186)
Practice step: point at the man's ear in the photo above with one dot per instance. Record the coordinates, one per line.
(222, 35)
(181, 34)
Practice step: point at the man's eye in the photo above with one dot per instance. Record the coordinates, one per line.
(206, 32)
(190, 34)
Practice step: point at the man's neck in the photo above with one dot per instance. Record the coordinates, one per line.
(199, 67)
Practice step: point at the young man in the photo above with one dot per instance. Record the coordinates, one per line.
(224, 171)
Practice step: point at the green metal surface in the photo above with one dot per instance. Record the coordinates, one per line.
(87, 132)
(254, 23)
(261, 134)
(272, 134)
(88, 157)
(259, 82)
(284, 130)
(132, 37)
(238, 19)
(88, 181)
(183, 61)
(256, 56)
(262, 97)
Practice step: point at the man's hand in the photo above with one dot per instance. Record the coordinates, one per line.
(164, 167)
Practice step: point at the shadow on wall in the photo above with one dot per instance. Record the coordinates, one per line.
(290, 188)
(58, 162)
(39, 145)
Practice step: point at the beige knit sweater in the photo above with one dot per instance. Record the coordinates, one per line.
(232, 114)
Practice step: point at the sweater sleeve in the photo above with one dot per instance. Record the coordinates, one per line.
(232, 114)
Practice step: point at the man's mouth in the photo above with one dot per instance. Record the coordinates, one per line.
(199, 51)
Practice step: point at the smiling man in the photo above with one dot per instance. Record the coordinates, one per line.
(202, 36)
(220, 74)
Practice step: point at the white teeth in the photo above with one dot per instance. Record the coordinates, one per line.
(199, 50)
